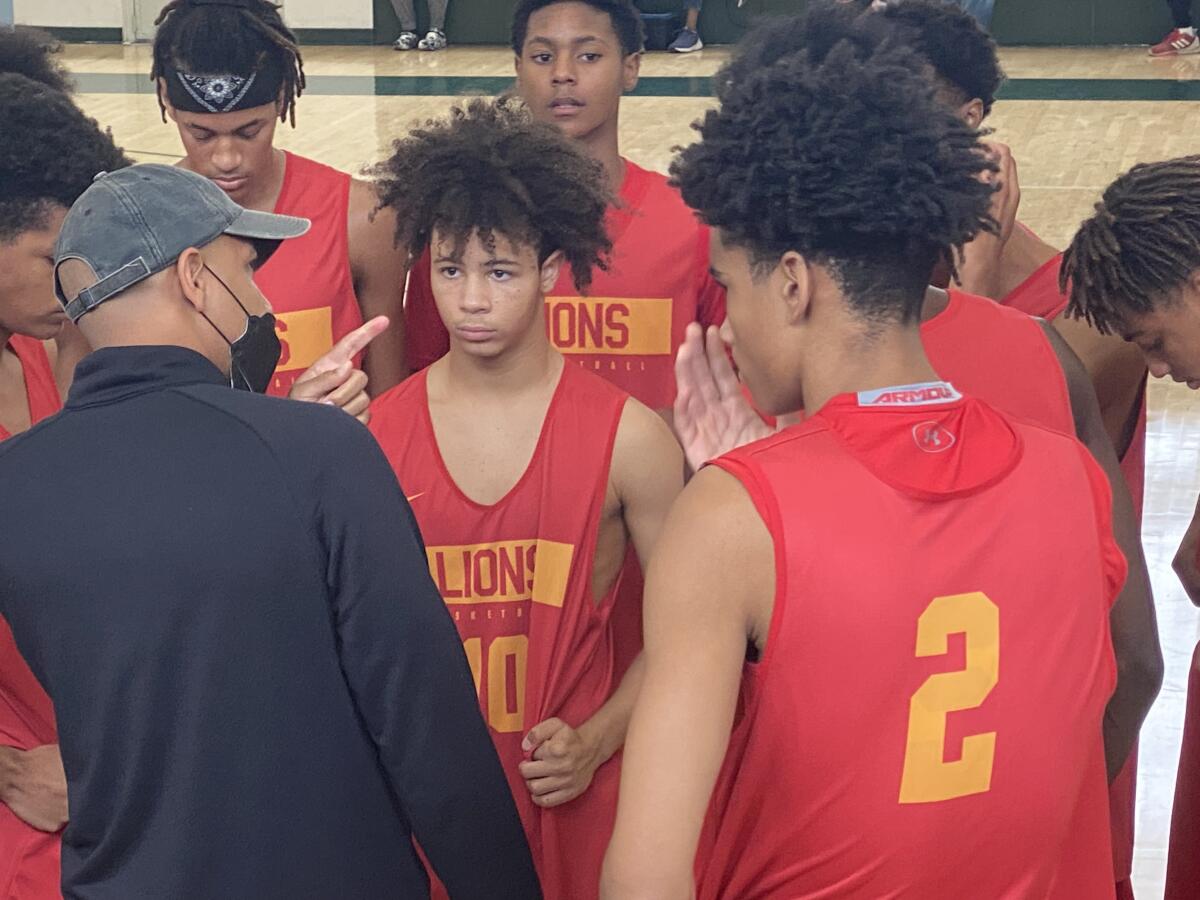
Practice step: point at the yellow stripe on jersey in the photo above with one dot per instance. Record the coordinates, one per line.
(610, 325)
(305, 336)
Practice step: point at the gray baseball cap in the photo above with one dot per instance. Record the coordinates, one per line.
(137, 221)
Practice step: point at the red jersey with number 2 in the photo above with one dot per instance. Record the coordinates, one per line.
(928, 705)
(308, 280)
(516, 576)
(29, 866)
(633, 320)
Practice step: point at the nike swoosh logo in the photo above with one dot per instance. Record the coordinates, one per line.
(415, 496)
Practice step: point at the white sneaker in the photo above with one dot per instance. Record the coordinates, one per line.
(406, 41)
(435, 40)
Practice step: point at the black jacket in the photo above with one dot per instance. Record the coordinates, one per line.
(259, 692)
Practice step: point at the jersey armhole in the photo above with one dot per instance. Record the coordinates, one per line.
(1115, 566)
(767, 505)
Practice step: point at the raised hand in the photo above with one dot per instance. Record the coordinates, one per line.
(712, 414)
(980, 267)
(333, 379)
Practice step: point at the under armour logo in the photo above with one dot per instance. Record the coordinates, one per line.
(932, 437)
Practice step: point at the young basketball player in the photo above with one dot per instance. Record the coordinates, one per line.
(1131, 271)
(916, 715)
(574, 60)
(49, 154)
(226, 73)
(527, 474)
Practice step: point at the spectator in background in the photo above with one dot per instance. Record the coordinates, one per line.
(1182, 39)
(435, 38)
(688, 38)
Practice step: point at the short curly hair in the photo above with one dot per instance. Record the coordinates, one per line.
(490, 169)
(626, 22)
(960, 51)
(49, 153)
(843, 155)
(31, 52)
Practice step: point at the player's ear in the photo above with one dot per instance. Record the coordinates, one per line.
(794, 282)
(971, 112)
(631, 70)
(550, 269)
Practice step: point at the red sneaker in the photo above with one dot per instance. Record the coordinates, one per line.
(1177, 43)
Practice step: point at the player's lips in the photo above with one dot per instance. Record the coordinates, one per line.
(474, 334)
(230, 183)
(565, 107)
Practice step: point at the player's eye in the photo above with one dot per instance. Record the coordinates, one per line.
(590, 57)
(501, 274)
(449, 271)
(542, 58)
(249, 135)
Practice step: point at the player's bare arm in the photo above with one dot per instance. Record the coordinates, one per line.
(709, 590)
(645, 477)
(1134, 629)
(34, 787)
(378, 269)
(1118, 374)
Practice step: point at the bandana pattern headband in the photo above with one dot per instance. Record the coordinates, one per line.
(217, 93)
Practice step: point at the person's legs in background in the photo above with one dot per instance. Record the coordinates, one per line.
(408, 25)
(435, 39)
(1182, 40)
(689, 38)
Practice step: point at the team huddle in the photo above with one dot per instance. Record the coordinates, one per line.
(765, 531)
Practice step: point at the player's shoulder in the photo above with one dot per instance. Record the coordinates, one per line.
(400, 400)
(308, 168)
(813, 435)
(977, 306)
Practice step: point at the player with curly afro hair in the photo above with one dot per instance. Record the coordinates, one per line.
(490, 170)
(782, 601)
(507, 449)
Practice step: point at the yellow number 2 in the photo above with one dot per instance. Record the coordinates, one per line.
(928, 777)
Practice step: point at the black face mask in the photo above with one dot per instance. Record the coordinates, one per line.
(253, 356)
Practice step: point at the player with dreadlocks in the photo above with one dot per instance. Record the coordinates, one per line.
(1133, 270)
(227, 71)
(813, 571)
(509, 453)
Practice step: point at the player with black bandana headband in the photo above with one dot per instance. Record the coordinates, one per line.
(227, 71)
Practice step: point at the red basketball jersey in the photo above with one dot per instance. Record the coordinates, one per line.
(1000, 356)
(308, 280)
(938, 663)
(29, 867)
(631, 323)
(1040, 295)
(516, 576)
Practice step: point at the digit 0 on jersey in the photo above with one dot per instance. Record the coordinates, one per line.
(926, 716)
(516, 576)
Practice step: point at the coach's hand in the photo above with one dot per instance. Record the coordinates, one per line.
(564, 761)
(1186, 563)
(712, 414)
(34, 787)
(333, 379)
